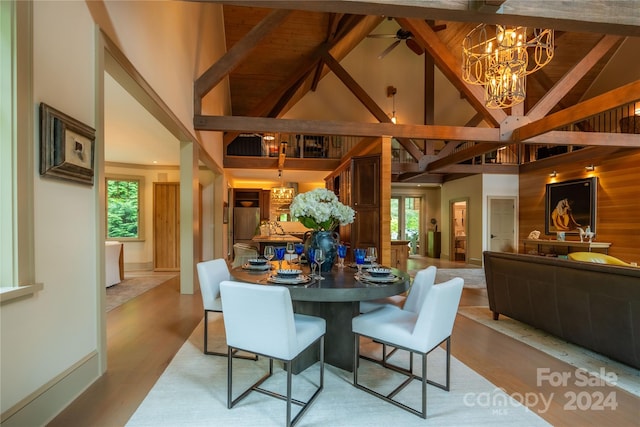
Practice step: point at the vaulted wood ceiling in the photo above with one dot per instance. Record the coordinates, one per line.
(278, 52)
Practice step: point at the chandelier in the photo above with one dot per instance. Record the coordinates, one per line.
(282, 195)
(501, 63)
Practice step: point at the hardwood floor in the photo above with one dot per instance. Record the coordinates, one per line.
(145, 333)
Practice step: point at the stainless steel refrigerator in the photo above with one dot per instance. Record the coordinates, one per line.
(245, 222)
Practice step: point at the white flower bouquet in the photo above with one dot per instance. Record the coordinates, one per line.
(321, 210)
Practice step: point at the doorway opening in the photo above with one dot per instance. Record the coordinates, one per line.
(406, 221)
(459, 229)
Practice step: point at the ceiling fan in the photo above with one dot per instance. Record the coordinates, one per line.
(405, 35)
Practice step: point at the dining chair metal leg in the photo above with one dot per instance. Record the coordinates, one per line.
(287, 398)
(215, 353)
(410, 376)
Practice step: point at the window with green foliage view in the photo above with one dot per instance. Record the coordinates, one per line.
(123, 208)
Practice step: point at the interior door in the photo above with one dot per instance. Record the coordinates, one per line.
(502, 225)
(166, 226)
(365, 229)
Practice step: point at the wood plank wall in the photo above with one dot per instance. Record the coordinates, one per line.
(618, 200)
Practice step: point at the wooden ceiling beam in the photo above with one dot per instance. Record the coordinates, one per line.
(234, 56)
(451, 67)
(340, 128)
(621, 17)
(586, 139)
(573, 76)
(460, 156)
(332, 32)
(290, 89)
(607, 101)
(247, 162)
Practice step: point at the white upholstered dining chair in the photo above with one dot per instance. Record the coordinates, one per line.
(424, 279)
(210, 274)
(260, 319)
(417, 332)
(422, 284)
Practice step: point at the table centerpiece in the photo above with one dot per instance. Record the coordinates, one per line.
(322, 212)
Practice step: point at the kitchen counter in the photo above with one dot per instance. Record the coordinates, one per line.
(275, 239)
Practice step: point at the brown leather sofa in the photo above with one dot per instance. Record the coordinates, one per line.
(593, 305)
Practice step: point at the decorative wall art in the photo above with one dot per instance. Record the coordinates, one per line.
(66, 147)
(571, 205)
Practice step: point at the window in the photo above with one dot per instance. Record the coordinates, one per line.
(17, 264)
(406, 220)
(124, 208)
(7, 146)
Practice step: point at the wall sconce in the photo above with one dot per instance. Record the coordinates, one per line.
(553, 174)
(590, 168)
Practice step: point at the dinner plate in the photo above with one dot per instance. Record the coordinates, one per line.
(379, 279)
(262, 267)
(365, 265)
(289, 280)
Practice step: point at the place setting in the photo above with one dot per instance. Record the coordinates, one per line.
(376, 275)
(257, 264)
(289, 276)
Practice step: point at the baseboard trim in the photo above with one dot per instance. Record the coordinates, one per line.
(138, 266)
(41, 406)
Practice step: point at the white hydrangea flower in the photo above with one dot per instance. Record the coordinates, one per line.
(320, 209)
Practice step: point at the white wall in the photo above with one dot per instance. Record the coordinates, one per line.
(47, 334)
(51, 342)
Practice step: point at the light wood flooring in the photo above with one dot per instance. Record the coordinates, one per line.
(144, 334)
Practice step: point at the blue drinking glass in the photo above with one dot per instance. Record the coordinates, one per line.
(312, 261)
(299, 247)
(342, 253)
(360, 255)
(280, 250)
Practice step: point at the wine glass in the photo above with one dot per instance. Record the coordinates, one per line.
(268, 254)
(360, 255)
(312, 264)
(280, 255)
(318, 257)
(290, 250)
(372, 255)
(299, 247)
(342, 253)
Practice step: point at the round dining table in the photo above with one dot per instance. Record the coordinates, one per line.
(336, 298)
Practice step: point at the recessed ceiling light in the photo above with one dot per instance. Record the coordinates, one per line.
(155, 162)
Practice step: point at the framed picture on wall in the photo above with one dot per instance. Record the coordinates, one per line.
(571, 205)
(66, 147)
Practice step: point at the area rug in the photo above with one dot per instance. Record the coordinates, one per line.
(473, 277)
(192, 392)
(628, 378)
(132, 287)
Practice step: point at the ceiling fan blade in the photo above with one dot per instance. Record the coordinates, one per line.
(382, 36)
(389, 49)
(414, 46)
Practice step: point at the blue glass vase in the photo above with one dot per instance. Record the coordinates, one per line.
(325, 240)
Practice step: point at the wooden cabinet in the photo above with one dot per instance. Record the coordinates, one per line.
(247, 197)
(434, 240)
(365, 196)
(358, 185)
(399, 254)
(265, 204)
